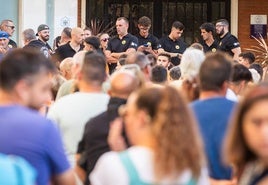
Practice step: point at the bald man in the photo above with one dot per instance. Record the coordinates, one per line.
(94, 142)
(72, 47)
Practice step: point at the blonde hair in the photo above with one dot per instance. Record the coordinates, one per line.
(178, 145)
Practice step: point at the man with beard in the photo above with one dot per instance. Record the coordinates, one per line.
(228, 42)
(30, 42)
(43, 35)
(72, 47)
(24, 87)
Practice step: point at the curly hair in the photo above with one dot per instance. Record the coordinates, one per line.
(178, 145)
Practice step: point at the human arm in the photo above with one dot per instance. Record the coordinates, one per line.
(109, 57)
(236, 52)
(115, 139)
(66, 178)
(161, 50)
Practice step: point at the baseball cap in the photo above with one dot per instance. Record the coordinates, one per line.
(4, 34)
(42, 27)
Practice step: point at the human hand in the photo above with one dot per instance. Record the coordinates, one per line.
(115, 138)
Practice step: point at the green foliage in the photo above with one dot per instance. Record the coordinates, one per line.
(97, 27)
(260, 50)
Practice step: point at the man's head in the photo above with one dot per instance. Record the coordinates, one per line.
(222, 27)
(207, 30)
(215, 73)
(144, 25)
(66, 68)
(175, 73)
(43, 32)
(77, 35)
(240, 78)
(8, 26)
(159, 74)
(92, 43)
(87, 32)
(123, 83)
(246, 58)
(28, 35)
(164, 60)
(93, 71)
(65, 35)
(122, 26)
(4, 39)
(176, 30)
(25, 76)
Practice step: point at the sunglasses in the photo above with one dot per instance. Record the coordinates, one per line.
(105, 39)
(12, 27)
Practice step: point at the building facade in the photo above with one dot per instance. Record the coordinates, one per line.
(192, 13)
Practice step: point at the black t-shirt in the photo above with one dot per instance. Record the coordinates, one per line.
(94, 141)
(151, 41)
(39, 46)
(213, 48)
(117, 45)
(65, 51)
(169, 45)
(47, 45)
(227, 43)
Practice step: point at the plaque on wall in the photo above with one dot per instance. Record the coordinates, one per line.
(258, 26)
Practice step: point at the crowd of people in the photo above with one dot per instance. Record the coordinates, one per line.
(103, 110)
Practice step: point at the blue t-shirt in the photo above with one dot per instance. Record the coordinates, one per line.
(25, 133)
(213, 116)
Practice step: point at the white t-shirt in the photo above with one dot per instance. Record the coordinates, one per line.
(72, 112)
(109, 170)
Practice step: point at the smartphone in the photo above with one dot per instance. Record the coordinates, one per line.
(145, 45)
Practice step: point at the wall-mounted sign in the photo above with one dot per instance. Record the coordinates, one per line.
(258, 26)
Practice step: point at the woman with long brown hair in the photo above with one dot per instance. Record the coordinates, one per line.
(247, 139)
(166, 147)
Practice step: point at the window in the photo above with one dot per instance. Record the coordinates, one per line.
(192, 13)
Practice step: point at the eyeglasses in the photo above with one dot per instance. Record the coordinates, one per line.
(12, 27)
(105, 39)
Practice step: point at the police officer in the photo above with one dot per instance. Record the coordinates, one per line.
(228, 42)
(124, 43)
(148, 43)
(207, 32)
(172, 44)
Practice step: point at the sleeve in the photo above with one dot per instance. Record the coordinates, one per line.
(161, 43)
(134, 43)
(155, 45)
(55, 151)
(233, 43)
(109, 46)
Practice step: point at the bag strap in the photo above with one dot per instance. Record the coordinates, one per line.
(130, 168)
(192, 181)
(133, 174)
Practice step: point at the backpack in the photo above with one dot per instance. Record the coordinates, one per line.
(15, 170)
